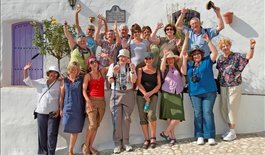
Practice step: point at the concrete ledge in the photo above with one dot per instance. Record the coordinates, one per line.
(19, 129)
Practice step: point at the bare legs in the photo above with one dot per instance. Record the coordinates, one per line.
(170, 128)
(73, 137)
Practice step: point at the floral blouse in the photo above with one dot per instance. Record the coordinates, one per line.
(230, 69)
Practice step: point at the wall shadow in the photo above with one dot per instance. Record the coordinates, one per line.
(243, 28)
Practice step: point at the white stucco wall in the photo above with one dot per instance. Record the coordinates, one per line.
(19, 129)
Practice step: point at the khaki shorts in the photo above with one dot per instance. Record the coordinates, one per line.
(95, 114)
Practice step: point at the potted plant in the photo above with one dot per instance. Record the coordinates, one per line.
(51, 39)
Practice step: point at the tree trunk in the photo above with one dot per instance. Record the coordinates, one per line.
(59, 65)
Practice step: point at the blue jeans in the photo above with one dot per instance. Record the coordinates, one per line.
(47, 134)
(203, 115)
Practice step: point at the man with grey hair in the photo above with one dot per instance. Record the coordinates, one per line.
(196, 31)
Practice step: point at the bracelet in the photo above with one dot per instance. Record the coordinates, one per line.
(252, 48)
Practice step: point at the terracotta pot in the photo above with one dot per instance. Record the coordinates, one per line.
(228, 17)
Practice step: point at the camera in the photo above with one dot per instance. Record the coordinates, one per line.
(195, 78)
(123, 87)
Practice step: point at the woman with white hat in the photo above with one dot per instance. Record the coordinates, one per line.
(47, 111)
(122, 76)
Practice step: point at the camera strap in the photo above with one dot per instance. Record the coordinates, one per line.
(49, 87)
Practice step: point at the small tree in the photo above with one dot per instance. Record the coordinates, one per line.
(51, 39)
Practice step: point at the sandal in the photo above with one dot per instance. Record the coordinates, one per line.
(172, 142)
(146, 144)
(162, 134)
(85, 150)
(94, 151)
(153, 144)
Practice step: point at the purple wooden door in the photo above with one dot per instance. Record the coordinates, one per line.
(22, 51)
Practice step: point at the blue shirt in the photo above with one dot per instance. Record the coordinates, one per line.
(196, 39)
(91, 44)
(204, 71)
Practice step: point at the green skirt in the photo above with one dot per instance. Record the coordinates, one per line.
(171, 107)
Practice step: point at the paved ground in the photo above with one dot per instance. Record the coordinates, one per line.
(245, 144)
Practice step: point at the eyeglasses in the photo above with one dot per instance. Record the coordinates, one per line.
(92, 62)
(147, 32)
(196, 53)
(91, 29)
(169, 29)
(136, 32)
(148, 58)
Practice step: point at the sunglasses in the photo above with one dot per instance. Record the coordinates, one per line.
(148, 58)
(91, 29)
(92, 62)
(169, 29)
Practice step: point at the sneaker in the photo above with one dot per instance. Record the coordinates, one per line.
(230, 136)
(225, 134)
(128, 148)
(200, 141)
(211, 141)
(117, 150)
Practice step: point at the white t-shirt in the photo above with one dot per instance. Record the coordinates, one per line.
(122, 80)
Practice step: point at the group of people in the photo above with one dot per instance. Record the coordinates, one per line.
(136, 68)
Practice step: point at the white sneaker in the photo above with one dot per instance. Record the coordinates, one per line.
(211, 141)
(117, 150)
(200, 141)
(128, 148)
(230, 136)
(225, 134)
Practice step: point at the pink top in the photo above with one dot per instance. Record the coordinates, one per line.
(173, 82)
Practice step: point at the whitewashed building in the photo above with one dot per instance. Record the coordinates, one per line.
(18, 129)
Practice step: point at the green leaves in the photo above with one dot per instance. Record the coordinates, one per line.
(49, 37)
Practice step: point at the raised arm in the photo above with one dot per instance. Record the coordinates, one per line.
(96, 37)
(183, 68)
(77, 11)
(213, 49)
(179, 23)
(69, 37)
(251, 52)
(26, 68)
(163, 62)
(118, 39)
(105, 25)
(185, 43)
(153, 38)
(220, 22)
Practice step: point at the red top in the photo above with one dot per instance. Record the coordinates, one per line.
(96, 87)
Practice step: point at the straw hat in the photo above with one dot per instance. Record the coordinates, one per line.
(172, 55)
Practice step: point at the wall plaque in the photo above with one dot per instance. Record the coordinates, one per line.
(115, 13)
